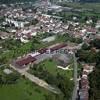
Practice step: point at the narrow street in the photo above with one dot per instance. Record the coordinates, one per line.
(75, 77)
(74, 95)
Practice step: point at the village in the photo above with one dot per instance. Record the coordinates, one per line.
(47, 39)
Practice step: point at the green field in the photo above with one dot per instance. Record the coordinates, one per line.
(94, 6)
(23, 90)
(51, 67)
(87, 9)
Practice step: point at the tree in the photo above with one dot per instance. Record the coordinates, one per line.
(34, 22)
(65, 85)
(95, 43)
(98, 58)
(87, 56)
(85, 47)
(8, 79)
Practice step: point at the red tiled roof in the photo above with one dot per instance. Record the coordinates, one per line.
(93, 30)
(84, 95)
(84, 84)
(25, 61)
(58, 47)
(30, 59)
(43, 50)
(84, 80)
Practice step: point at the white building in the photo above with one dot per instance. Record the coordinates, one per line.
(49, 39)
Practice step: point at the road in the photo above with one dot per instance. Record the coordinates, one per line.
(76, 83)
(41, 83)
(74, 95)
(36, 80)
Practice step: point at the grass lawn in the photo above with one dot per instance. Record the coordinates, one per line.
(23, 90)
(51, 66)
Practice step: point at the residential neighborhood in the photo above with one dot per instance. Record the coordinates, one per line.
(49, 50)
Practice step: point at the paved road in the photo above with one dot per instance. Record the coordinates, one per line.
(74, 96)
(76, 82)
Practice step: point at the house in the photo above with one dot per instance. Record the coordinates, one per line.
(84, 83)
(30, 58)
(89, 21)
(91, 30)
(49, 39)
(57, 47)
(25, 61)
(24, 39)
(33, 33)
(84, 95)
(97, 24)
(97, 36)
(83, 92)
